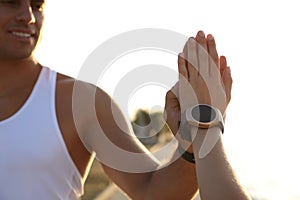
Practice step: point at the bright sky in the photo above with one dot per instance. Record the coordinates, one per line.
(261, 42)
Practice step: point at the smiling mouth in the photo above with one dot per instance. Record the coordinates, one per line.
(21, 34)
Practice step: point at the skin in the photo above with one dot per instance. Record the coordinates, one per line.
(19, 71)
(210, 79)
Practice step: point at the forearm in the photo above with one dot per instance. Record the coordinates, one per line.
(216, 178)
(177, 180)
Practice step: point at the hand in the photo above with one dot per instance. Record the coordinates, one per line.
(204, 78)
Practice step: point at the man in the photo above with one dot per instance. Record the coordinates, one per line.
(46, 142)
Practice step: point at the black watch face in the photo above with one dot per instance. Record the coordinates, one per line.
(203, 113)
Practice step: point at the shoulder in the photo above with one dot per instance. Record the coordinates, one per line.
(94, 111)
(70, 87)
(86, 101)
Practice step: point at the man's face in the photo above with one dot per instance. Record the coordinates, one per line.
(20, 27)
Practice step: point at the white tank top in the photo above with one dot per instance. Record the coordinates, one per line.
(34, 160)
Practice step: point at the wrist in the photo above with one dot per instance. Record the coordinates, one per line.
(206, 141)
(185, 154)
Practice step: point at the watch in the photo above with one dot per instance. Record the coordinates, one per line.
(202, 116)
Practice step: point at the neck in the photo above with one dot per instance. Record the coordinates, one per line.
(14, 74)
(12, 66)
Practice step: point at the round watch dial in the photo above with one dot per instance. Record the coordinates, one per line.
(203, 113)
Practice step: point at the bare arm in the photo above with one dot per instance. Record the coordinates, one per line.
(128, 163)
(205, 79)
(174, 181)
(104, 130)
(216, 178)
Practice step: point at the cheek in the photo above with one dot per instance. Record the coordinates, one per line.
(39, 22)
(39, 17)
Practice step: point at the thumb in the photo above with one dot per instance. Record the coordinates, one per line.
(227, 81)
(173, 93)
(175, 89)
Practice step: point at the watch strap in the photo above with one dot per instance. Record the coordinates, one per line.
(186, 155)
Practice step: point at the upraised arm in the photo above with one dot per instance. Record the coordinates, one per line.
(204, 79)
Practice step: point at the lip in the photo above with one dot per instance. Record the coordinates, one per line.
(23, 34)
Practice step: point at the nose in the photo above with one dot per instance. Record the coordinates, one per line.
(26, 14)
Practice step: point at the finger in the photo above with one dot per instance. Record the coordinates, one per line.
(173, 92)
(202, 54)
(182, 67)
(183, 76)
(171, 99)
(213, 54)
(192, 60)
(227, 81)
(223, 64)
(186, 93)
